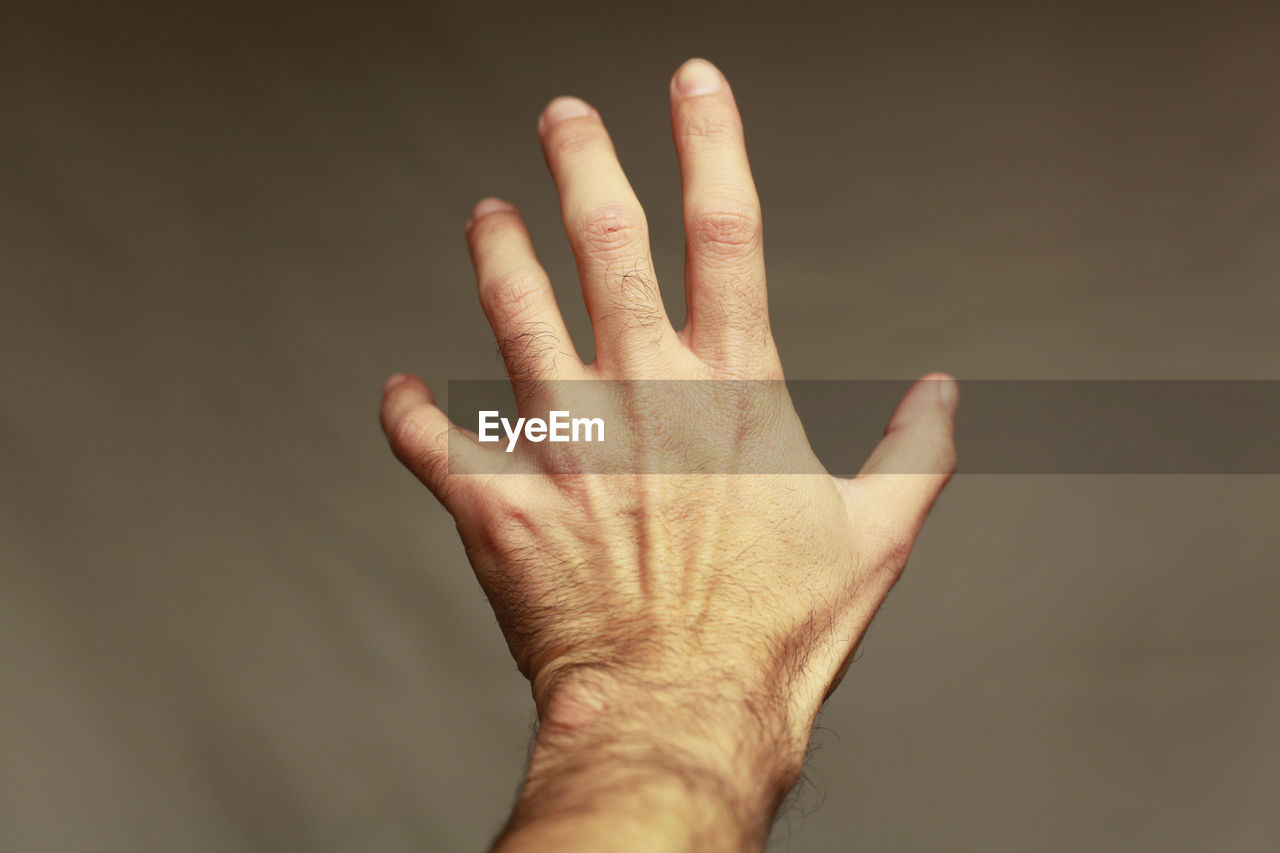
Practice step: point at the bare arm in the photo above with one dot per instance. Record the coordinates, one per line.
(642, 770)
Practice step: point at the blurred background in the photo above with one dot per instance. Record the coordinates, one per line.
(229, 621)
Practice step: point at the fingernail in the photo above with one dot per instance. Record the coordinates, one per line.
(487, 206)
(949, 393)
(563, 108)
(697, 77)
(392, 381)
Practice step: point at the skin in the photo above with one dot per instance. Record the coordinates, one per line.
(680, 631)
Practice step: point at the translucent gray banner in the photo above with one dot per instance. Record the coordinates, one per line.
(743, 427)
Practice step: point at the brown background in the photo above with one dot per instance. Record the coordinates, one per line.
(229, 621)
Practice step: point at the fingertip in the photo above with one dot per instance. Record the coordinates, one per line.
(401, 393)
(948, 390)
(928, 408)
(396, 380)
(487, 205)
(696, 76)
(561, 108)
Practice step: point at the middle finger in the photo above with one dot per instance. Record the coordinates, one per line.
(608, 232)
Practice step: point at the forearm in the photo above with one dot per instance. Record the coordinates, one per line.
(657, 772)
(605, 804)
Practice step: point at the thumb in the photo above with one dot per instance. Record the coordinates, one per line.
(917, 455)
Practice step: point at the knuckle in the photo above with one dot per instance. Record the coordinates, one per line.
(711, 130)
(411, 433)
(573, 137)
(513, 294)
(508, 517)
(727, 228)
(609, 229)
(423, 448)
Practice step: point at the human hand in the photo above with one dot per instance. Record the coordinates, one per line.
(680, 631)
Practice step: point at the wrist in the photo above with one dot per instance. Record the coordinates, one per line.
(657, 764)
